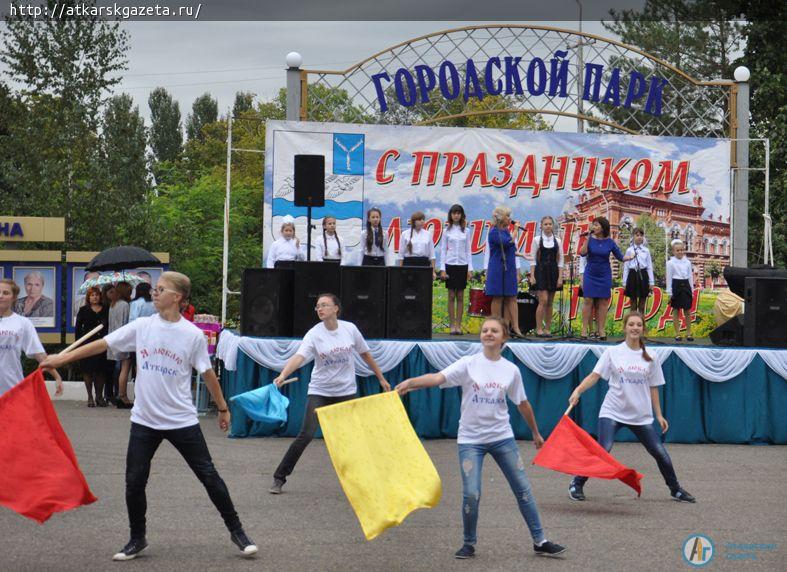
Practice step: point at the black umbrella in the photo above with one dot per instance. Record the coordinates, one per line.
(122, 258)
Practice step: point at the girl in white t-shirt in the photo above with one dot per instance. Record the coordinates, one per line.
(487, 379)
(167, 348)
(631, 401)
(17, 335)
(331, 344)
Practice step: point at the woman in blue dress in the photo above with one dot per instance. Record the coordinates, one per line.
(502, 276)
(597, 280)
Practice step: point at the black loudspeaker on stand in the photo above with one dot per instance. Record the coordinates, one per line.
(409, 303)
(266, 302)
(363, 298)
(312, 279)
(309, 175)
(765, 322)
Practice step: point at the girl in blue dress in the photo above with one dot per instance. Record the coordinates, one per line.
(502, 276)
(597, 280)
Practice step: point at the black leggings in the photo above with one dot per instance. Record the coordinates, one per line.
(308, 429)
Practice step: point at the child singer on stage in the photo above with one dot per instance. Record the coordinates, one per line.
(680, 288)
(456, 264)
(638, 272)
(331, 247)
(416, 247)
(546, 274)
(373, 242)
(287, 246)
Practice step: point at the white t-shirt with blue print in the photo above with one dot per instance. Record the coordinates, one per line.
(485, 385)
(630, 378)
(166, 354)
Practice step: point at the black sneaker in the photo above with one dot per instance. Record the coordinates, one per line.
(243, 542)
(682, 496)
(276, 487)
(576, 493)
(549, 549)
(130, 550)
(467, 551)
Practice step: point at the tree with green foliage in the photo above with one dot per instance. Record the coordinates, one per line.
(205, 110)
(166, 130)
(66, 68)
(699, 37)
(766, 58)
(244, 101)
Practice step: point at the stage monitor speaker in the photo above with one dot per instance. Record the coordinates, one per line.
(266, 302)
(311, 280)
(309, 177)
(735, 276)
(526, 306)
(409, 303)
(363, 298)
(765, 316)
(730, 333)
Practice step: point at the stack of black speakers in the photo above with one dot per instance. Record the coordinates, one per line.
(384, 302)
(764, 321)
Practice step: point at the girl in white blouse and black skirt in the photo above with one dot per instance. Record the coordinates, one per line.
(546, 274)
(331, 247)
(287, 247)
(680, 288)
(373, 240)
(638, 272)
(456, 264)
(416, 247)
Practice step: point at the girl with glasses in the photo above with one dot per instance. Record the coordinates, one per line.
(331, 345)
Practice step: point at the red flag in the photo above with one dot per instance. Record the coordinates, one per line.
(571, 450)
(39, 472)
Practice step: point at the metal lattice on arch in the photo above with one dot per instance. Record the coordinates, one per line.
(690, 107)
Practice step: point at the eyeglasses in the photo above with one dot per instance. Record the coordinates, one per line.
(318, 307)
(160, 290)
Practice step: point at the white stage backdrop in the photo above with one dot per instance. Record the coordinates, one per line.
(683, 184)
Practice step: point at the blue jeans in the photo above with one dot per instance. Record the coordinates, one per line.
(506, 455)
(648, 436)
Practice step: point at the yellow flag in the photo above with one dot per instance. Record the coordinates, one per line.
(382, 466)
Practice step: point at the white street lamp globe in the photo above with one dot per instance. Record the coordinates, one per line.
(742, 73)
(294, 60)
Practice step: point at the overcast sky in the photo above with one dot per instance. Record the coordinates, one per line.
(221, 58)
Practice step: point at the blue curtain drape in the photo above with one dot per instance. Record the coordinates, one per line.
(746, 409)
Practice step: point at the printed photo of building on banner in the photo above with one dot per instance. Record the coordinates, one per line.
(672, 187)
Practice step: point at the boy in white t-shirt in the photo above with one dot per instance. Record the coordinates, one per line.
(331, 344)
(487, 379)
(632, 398)
(17, 335)
(167, 348)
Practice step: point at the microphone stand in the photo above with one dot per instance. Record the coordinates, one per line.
(566, 327)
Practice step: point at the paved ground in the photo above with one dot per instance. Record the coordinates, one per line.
(312, 527)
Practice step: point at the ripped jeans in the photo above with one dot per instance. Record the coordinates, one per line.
(506, 455)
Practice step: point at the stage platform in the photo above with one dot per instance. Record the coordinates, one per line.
(712, 394)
